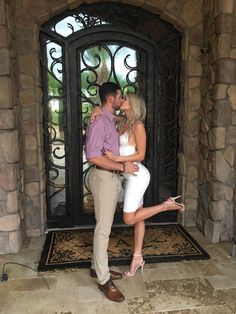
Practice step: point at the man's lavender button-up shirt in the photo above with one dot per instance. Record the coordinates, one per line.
(102, 136)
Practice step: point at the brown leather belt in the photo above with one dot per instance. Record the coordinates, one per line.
(108, 170)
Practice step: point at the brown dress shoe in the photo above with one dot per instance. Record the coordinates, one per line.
(111, 291)
(114, 274)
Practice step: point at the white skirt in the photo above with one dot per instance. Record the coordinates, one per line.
(135, 187)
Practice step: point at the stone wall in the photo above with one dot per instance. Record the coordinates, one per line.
(10, 174)
(207, 126)
(218, 121)
(30, 104)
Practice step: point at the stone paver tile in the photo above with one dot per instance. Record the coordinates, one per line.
(154, 274)
(169, 295)
(141, 306)
(183, 270)
(227, 269)
(33, 243)
(25, 257)
(219, 252)
(3, 296)
(220, 309)
(90, 293)
(29, 284)
(102, 307)
(15, 271)
(148, 265)
(199, 268)
(162, 266)
(41, 302)
(132, 287)
(223, 282)
(74, 279)
(2, 259)
(228, 297)
(29, 256)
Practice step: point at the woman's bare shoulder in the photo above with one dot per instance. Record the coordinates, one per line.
(138, 125)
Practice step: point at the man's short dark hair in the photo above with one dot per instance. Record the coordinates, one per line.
(107, 89)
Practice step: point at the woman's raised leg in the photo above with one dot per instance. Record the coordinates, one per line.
(147, 212)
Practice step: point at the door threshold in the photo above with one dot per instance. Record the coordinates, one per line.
(121, 225)
(69, 228)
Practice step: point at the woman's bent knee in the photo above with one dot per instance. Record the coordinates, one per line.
(128, 219)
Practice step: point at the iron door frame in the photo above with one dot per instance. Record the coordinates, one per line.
(153, 95)
(104, 35)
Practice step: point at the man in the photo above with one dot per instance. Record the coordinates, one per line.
(105, 185)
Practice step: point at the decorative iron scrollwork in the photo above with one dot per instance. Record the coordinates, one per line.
(98, 64)
(52, 61)
(76, 22)
(169, 70)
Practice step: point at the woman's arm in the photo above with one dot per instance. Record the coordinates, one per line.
(140, 139)
(97, 112)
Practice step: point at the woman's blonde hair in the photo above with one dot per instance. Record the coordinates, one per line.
(138, 109)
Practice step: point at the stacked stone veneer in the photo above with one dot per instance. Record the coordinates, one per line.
(23, 181)
(218, 121)
(10, 184)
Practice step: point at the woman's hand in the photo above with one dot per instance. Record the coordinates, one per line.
(96, 113)
(111, 156)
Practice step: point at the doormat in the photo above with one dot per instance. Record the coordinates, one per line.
(163, 243)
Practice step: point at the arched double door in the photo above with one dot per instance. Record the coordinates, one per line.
(80, 50)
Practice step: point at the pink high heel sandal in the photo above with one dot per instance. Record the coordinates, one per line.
(172, 200)
(127, 273)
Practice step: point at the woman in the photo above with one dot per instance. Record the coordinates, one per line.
(132, 148)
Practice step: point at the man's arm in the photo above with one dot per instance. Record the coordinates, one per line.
(103, 162)
(106, 163)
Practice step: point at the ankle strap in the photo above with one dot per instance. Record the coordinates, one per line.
(135, 255)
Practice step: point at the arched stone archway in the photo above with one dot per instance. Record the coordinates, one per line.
(186, 17)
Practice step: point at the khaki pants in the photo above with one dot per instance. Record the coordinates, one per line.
(105, 187)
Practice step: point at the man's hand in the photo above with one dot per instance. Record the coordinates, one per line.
(131, 168)
(110, 155)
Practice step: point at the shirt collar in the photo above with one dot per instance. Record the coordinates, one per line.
(108, 114)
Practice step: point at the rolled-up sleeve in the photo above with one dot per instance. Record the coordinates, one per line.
(95, 139)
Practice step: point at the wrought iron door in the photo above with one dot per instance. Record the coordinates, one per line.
(81, 50)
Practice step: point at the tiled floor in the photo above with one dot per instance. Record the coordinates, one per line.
(184, 287)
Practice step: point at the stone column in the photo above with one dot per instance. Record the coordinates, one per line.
(10, 183)
(232, 97)
(30, 104)
(218, 130)
(189, 110)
